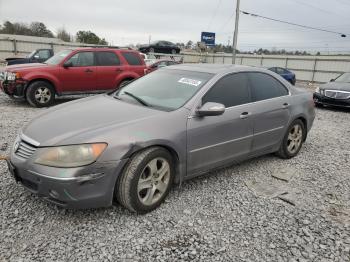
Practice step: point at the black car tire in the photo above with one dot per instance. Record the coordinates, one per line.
(40, 87)
(151, 50)
(284, 151)
(173, 51)
(127, 188)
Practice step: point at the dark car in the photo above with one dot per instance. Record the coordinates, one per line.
(153, 65)
(165, 47)
(334, 93)
(37, 56)
(285, 73)
(171, 125)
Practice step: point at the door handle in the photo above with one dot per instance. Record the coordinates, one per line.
(244, 115)
(285, 105)
(88, 71)
(119, 70)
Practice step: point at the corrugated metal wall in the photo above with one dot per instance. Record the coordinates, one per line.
(306, 68)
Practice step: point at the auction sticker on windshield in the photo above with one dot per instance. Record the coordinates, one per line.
(189, 81)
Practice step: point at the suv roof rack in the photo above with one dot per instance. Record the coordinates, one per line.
(111, 47)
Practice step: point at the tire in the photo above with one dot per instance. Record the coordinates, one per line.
(173, 51)
(295, 134)
(40, 94)
(138, 186)
(151, 50)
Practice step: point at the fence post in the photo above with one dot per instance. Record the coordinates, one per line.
(314, 70)
(15, 46)
(261, 60)
(286, 65)
(223, 58)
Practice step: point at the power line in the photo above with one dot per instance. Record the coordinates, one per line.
(294, 24)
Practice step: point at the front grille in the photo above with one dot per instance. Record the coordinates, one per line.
(25, 150)
(337, 94)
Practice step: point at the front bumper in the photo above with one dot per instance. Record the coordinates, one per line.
(90, 186)
(327, 101)
(13, 88)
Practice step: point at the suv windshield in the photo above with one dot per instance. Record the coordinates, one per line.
(164, 89)
(344, 78)
(57, 58)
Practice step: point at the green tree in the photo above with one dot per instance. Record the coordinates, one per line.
(39, 29)
(89, 37)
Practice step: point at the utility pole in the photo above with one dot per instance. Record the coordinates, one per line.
(235, 34)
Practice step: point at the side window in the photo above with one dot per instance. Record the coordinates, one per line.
(281, 71)
(132, 58)
(231, 90)
(82, 59)
(264, 86)
(43, 54)
(107, 59)
(273, 69)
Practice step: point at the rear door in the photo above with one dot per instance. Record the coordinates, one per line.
(270, 111)
(81, 76)
(108, 69)
(216, 140)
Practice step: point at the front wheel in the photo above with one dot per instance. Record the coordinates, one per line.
(40, 94)
(146, 181)
(293, 140)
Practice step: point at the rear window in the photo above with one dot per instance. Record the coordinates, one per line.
(107, 59)
(132, 58)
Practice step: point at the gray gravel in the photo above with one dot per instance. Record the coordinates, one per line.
(212, 218)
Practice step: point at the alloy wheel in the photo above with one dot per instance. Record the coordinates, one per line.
(42, 95)
(154, 181)
(295, 138)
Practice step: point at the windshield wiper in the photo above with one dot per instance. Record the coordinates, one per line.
(138, 99)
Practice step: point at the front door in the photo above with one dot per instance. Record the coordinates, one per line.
(217, 140)
(81, 75)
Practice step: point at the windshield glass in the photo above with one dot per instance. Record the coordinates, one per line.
(344, 78)
(164, 89)
(57, 58)
(31, 54)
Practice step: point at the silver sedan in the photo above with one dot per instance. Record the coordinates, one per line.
(133, 144)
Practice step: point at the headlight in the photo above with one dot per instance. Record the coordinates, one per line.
(317, 90)
(12, 76)
(70, 156)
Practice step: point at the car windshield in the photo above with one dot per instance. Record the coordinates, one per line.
(344, 78)
(57, 58)
(164, 89)
(31, 54)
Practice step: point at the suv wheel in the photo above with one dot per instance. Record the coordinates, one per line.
(173, 51)
(146, 180)
(151, 50)
(40, 94)
(293, 140)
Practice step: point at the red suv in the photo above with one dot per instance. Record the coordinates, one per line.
(79, 71)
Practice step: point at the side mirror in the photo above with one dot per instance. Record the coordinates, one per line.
(211, 109)
(332, 80)
(67, 64)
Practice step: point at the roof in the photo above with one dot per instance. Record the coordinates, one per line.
(216, 68)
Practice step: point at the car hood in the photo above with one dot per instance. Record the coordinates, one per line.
(85, 119)
(336, 86)
(31, 66)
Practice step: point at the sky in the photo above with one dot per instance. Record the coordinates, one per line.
(132, 21)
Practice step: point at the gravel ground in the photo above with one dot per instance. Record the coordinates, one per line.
(216, 217)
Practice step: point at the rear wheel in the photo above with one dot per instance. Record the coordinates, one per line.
(40, 94)
(146, 181)
(173, 51)
(293, 140)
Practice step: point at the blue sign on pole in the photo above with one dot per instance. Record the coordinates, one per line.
(208, 38)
